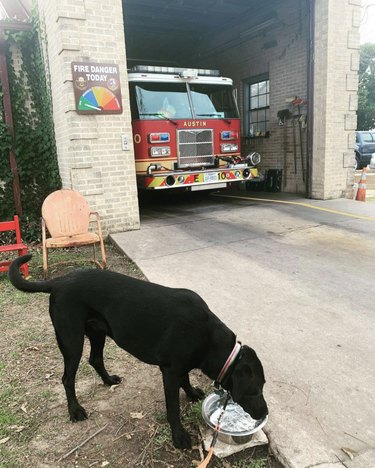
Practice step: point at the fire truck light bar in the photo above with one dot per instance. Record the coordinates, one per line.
(178, 71)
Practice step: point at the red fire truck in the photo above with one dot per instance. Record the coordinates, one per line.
(186, 129)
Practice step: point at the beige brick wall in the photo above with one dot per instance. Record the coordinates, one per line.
(282, 51)
(335, 96)
(90, 155)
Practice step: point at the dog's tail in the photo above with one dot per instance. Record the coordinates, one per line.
(20, 283)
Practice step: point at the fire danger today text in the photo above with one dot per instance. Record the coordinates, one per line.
(95, 72)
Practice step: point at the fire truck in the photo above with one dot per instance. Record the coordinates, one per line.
(186, 130)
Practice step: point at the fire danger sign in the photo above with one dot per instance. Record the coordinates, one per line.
(96, 88)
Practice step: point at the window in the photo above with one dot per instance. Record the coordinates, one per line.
(367, 137)
(256, 106)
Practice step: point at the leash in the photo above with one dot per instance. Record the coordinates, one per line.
(217, 384)
(206, 461)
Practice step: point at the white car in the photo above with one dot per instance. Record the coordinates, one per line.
(372, 162)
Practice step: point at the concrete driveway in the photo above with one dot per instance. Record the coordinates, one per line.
(295, 279)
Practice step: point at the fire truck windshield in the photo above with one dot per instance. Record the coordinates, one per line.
(155, 100)
(213, 101)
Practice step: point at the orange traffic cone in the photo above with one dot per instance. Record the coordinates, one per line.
(361, 192)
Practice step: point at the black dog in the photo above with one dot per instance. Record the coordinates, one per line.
(171, 328)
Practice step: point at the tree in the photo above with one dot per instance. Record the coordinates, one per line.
(366, 90)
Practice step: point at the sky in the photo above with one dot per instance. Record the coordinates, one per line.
(367, 28)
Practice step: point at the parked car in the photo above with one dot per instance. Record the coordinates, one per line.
(365, 146)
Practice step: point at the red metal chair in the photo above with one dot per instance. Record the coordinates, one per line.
(19, 246)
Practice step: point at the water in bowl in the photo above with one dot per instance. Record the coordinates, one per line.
(234, 420)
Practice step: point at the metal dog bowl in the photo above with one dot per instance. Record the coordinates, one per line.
(237, 426)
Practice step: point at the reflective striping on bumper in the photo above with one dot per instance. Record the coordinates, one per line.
(189, 179)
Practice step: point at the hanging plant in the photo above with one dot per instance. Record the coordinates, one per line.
(34, 137)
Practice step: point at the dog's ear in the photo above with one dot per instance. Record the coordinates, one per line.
(247, 383)
(241, 376)
(250, 358)
(247, 376)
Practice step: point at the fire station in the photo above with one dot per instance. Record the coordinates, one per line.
(291, 65)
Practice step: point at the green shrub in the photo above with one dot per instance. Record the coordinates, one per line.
(33, 142)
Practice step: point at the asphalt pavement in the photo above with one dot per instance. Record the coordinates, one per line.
(294, 279)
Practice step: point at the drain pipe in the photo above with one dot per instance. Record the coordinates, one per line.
(310, 98)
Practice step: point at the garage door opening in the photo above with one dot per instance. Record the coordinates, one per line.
(263, 48)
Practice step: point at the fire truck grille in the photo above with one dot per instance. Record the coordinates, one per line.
(195, 148)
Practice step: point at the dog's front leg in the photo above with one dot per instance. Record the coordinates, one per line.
(172, 383)
(194, 394)
(97, 341)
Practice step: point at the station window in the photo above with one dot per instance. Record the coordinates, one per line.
(257, 106)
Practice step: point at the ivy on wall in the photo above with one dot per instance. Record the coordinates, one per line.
(34, 138)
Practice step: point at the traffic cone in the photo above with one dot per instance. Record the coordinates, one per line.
(361, 192)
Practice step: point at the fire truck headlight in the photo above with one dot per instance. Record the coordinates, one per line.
(229, 148)
(157, 151)
(170, 180)
(253, 159)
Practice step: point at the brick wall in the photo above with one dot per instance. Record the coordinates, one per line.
(335, 96)
(282, 52)
(90, 155)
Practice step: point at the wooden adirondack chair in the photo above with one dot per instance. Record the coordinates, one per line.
(18, 246)
(66, 215)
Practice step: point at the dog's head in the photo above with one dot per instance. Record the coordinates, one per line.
(246, 383)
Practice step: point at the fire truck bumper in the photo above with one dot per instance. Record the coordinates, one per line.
(198, 180)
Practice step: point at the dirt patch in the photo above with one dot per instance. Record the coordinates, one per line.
(126, 425)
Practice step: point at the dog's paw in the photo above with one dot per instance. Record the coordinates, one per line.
(181, 439)
(113, 380)
(78, 413)
(195, 394)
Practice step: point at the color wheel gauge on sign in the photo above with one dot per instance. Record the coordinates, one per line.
(99, 99)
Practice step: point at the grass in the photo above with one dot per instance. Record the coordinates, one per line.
(8, 458)
(163, 436)
(10, 295)
(193, 414)
(9, 408)
(17, 401)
